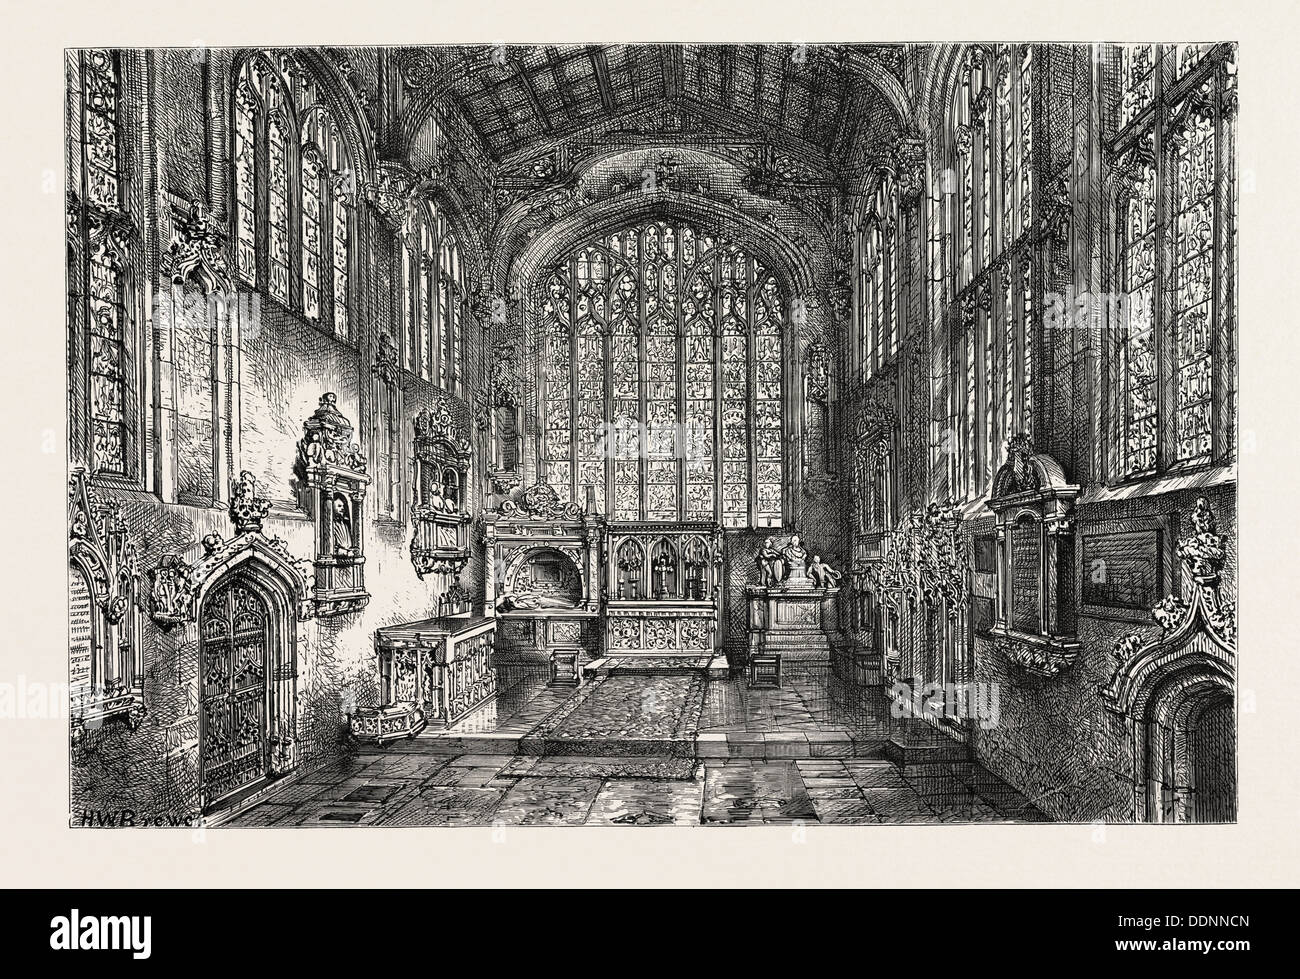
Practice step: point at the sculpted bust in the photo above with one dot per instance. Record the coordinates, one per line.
(342, 526)
(795, 557)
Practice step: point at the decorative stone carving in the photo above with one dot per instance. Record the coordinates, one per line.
(1017, 474)
(391, 192)
(503, 375)
(841, 294)
(1197, 647)
(964, 138)
(822, 574)
(1130, 167)
(177, 585)
(440, 543)
(817, 376)
(502, 419)
(331, 474)
(171, 593)
(923, 562)
(817, 467)
(197, 252)
(540, 502)
(792, 616)
(438, 424)
(106, 675)
(967, 309)
(385, 363)
(354, 79)
(112, 231)
(770, 569)
(247, 509)
(909, 166)
(1035, 610)
(1042, 661)
(1202, 554)
(327, 439)
(1058, 210)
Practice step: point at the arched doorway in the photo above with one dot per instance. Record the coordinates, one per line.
(1213, 749)
(238, 629)
(1191, 762)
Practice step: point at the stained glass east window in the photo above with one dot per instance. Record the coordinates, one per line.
(662, 378)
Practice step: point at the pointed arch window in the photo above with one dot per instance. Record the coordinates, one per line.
(989, 210)
(434, 297)
(662, 378)
(294, 178)
(102, 322)
(878, 280)
(1171, 360)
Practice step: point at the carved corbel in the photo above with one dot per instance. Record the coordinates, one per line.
(909, 166)
(392, 192)
(197, 251)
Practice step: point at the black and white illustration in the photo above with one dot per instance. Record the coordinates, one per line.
(652, 434)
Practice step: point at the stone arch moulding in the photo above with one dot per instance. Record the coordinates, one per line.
(521, 273)
(1156, 681)
(105, 668)
(349, 114)
(179, 590)
(178, 586)
(515, 270)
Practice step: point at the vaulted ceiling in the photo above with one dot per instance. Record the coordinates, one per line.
(815, 99)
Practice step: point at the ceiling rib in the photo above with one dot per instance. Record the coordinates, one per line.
(809, 107)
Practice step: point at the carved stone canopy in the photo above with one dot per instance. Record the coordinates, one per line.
(1028, 475)
(178, 585)
(437, 426)
(327, 439)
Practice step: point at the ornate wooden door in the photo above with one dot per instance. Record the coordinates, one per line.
(235, 637)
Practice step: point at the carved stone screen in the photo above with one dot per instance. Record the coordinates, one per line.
(1122, 570)
(1026, 577)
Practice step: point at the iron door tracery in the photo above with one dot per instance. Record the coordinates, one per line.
(235, 638)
